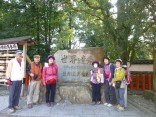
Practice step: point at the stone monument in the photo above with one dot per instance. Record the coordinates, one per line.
(74, 73)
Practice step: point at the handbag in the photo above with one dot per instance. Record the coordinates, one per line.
(117, 84)
(123, 84)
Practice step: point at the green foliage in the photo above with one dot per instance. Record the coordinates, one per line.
(128, 33)
(121, 36)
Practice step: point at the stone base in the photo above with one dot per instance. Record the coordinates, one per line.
(149, 95)
(76, 93)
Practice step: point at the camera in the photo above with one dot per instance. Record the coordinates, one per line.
(35, 76)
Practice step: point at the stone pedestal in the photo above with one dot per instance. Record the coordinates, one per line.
(75, 93)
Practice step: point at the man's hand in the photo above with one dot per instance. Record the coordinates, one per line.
(31, 74)
(44, 84)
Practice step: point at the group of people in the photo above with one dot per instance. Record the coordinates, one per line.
(112, 77)
(39, 75)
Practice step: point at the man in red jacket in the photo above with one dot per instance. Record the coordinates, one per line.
(34, 70)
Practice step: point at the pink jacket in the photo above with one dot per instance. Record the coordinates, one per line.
(48, 71)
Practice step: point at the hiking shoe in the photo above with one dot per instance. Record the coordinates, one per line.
(30, 106)
(121, 108)
(98, 103)
(118, 106)
(11, 110)
(49, 104)
(17, 107)
(37, 103)
(93, 103)
(109, 105)
(105, 104)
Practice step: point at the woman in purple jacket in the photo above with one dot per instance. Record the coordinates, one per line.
(108, 73)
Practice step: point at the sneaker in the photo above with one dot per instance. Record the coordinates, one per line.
(17, 107)
(11, 110)
(93, 103)
(30, 106)
(109, 105)
(105, 104)
(98, 103)
(49, 104)
(118, 106)
(121, 108)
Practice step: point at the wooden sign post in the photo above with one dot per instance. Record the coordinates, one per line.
(24, 59)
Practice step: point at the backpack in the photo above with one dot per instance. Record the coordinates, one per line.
(99, 77)
(127, 76)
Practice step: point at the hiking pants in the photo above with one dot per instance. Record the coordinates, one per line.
(109, 92)
(34, 91)
(14, 93)
(96, 92)
(50, 92)
(120, 96)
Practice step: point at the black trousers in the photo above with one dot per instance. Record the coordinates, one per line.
(96, 92)
(50, 92)
(14, 93)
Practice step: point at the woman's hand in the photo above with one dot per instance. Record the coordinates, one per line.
(111, 83)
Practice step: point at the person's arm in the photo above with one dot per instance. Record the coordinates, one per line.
(120, 76)
(104, 74)
(102, 80)
(112, 68)
(9, 69)
(28, 69)
(44, 75)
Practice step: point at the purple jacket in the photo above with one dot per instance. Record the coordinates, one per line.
(111, 68)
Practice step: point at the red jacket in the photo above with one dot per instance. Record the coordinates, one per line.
(50, 71)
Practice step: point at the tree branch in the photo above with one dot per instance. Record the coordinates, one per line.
(90, 6)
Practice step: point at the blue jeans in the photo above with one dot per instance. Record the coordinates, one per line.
(120, 96)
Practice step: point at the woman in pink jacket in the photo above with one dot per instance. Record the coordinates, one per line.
(50, 77)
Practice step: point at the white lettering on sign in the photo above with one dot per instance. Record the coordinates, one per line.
(9, 47)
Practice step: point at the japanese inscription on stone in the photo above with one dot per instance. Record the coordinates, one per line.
(75, 65)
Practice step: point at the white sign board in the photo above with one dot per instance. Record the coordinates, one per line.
(9, 47)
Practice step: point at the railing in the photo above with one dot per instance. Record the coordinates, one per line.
(141, 81)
